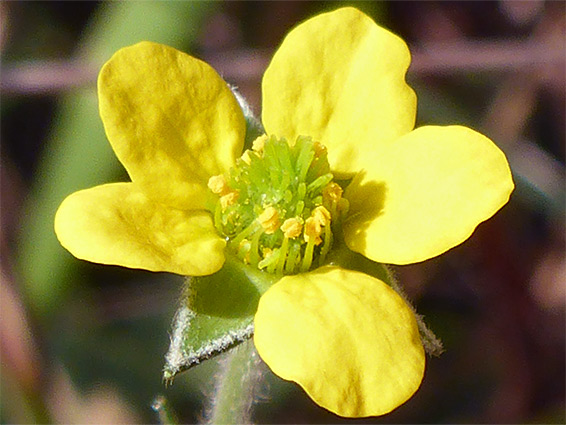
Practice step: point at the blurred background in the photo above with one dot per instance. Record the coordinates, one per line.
(83, 343)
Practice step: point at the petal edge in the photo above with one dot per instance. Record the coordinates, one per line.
(171, 120)
(345, 337)
(117, 224)
(426, 194)
(340, 78)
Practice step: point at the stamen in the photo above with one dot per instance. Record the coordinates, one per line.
(252, 228)
(218, 217)
(292, 227)
(218, 185)
(259, 143)
(319, 149)
(229, 199)
(276, 182)
(331, 197)
(307, 259)
(321, 215)
(267, 258)
(332, 192)
(269, 220)
(282, 255)
(246, 157)
(244, 250)
(274, 260)
(292, 258)
(254, 251)
(313, 230)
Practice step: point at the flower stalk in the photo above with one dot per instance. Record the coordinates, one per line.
(236, 387)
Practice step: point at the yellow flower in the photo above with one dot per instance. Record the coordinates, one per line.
(347, 338)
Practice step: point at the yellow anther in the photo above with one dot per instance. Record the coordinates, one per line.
(269, 220)
(292, 227)
(246, 157)
(266, 252)
(332, 192)
(321, 215)
(217, 184)
(244, 249)
(229, 199)
(259, 143)
(313, 229)
(318, 148)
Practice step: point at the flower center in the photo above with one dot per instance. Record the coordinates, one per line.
(278, 205)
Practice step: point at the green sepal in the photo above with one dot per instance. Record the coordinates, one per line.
(216, 313)
(254, 128)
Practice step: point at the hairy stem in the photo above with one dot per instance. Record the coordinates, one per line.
(236, 386)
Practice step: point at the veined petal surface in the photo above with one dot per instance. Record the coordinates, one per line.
(340, 78)
(172, 121)
(426, 194)
(347, 338)
(117, 224)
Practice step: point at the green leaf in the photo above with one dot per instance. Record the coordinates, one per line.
(216, 313)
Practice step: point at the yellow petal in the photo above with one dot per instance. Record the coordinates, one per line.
(172, 121)
(117, 224)
(340, 78)
(347, 338)
(426, 194)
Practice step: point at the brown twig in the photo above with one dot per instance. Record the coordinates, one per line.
(45, 77)
(467, 56)
(50, 77)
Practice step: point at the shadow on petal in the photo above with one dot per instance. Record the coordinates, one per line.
(367, 201)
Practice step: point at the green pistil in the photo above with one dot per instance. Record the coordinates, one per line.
(289, 179)
(319, 183)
